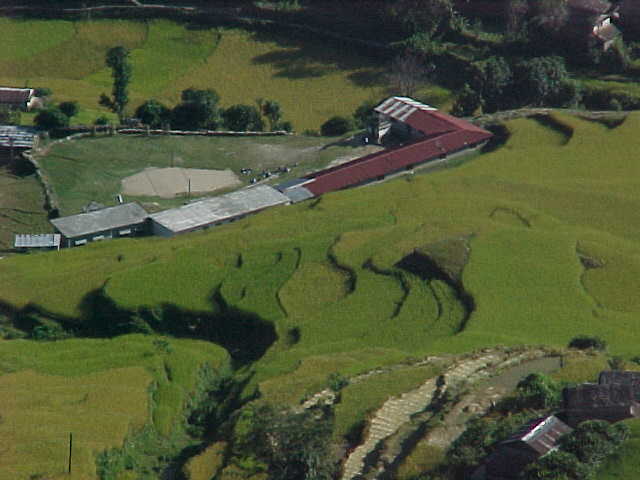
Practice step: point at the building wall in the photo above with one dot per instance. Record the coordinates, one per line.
(133, 231)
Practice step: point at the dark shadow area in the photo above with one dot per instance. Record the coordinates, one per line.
(245, 335)
(500, 136)
(552, 123)
(396, 275)
(345, 270)
(426, 268)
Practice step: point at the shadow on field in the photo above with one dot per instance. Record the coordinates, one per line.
(243, 334)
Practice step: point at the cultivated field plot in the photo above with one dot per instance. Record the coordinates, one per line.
(94, 168)
(103, 391)
(21, 207)
(310, 79)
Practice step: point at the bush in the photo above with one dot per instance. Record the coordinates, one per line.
(584, 342)
(337, 381)
(43, 92)
(336, 126)
(51, 118)
(243, 118)
(153, 113)
(49, 333)
(538, 391)
(101, 120)
(70, 109)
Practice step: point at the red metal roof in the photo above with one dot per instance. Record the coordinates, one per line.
(15, 95)
(451, 135)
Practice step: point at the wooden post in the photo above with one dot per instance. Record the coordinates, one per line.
(70, 450)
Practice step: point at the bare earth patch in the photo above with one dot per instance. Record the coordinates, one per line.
(169, 182)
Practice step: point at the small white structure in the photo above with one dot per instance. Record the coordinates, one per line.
(45, 241)
(214, 211)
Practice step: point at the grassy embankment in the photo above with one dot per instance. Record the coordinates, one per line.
(326, 272)
(101, 390)
(303, 76)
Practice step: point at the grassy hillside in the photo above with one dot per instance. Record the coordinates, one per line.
(103, 391)
(302, 75)
(542, 230)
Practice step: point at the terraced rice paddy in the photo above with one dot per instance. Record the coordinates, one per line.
(302, 75)
(543, 229)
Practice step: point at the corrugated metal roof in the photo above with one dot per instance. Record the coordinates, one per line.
(11, 95)
(298, 194)
(444, 134)
(220, 208)
(43, 240)
(540, 434)
(17, 136)
(622, 378)
(101, 220)
(591, 395)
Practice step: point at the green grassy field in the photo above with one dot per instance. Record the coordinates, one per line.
(303, 76)
(21, 207)
(102, 391)
(92, 168)
(326, 273)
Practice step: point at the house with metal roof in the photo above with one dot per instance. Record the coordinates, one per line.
(14, 140)
(428, 134)
(128, 219)
(589, 401)
(18, 98)
(210, 212)
(41, 241)
(534, 440)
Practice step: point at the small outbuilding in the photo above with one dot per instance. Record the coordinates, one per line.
(14, 140)
(210, 212)
(125, 220)
(40, 241)
(534, 440)
(611, 402)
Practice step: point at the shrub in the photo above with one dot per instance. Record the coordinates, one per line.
(537, 391)
(49, 333)
(337, 381)
(70, 109)
(584, 342)
(336, 126)
(43, 92)
(153, 113)
(101, 120)
(241, 118)
(51, 118)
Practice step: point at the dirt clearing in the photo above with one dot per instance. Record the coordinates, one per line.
(169, 182)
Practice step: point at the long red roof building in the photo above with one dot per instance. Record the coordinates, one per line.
(433, 135)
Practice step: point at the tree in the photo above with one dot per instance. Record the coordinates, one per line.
(9, 116)
(538, 391)
(271, 109)
(515, 17)
(364, 115)
(118, 60)
(153, 113)
(434, 18)
(557, 466)
(539, 79)
(293, 446)
(336, 126)
(242, 118)
(70, 109)
(550, 15)
(592, 441)
(497, 79)
(467, 103)
(407, 72)
(198, 110)
(51, 118)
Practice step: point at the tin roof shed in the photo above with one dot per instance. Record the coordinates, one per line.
(44, 240)
(100, 220)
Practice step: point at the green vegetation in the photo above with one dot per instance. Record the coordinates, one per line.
(167, 57)
(103, 391)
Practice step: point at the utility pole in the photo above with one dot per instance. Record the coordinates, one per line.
(70, 450)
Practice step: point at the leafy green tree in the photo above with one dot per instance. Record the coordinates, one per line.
(538, 391)
(293, 446)
(271, 109)
(241, 118)
(497, 79)
(51, 118)
(336, 126)
(153, 113)
(198, 110)
(433, 18)
(540, 79)
(467, 103)
(558, 465)
(364, 115)
(118, 60)
(70, 109)
(592, 441)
